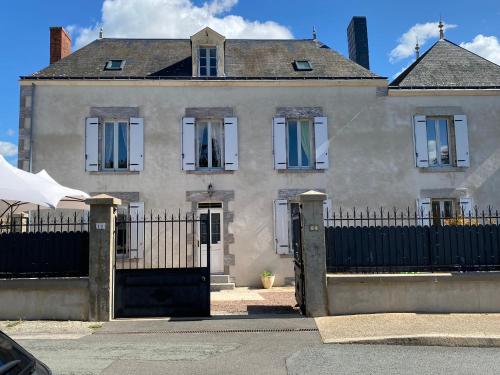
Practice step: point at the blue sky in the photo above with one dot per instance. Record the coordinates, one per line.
(392, 26)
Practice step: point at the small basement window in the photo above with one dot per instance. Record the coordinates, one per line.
(302, 65)
(115, 64)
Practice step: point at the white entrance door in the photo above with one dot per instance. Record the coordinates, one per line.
(214, 235)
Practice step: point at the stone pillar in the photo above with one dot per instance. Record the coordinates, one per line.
(101, 256)
(314, 253)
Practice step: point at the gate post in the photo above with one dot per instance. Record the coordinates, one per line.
(101, 256)
(314, 253)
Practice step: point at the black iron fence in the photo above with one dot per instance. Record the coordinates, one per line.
(49, 222)
(44, 246)
(405, 241)
(162, 241)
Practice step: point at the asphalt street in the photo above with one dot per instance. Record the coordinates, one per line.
(252, 353)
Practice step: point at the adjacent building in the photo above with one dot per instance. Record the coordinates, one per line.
(242, 126)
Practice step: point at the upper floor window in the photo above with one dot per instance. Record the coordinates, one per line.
(299, 144)
(209, 144)
(441, 141)
(115, 147)
(207, 62)
(438, 141)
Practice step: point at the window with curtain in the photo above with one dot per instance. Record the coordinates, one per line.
(209, 141)
(115, 145)
(299, 143)
(438, 142)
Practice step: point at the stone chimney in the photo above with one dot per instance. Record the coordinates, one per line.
(60, 44)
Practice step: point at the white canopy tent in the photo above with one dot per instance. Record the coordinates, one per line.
(23, 191)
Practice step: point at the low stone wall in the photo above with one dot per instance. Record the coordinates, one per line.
(44, 299)
(474, 292)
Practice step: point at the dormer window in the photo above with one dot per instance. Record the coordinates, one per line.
(302, 65)
(207, 62)
(115, 64)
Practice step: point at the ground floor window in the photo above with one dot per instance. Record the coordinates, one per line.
(442, 209)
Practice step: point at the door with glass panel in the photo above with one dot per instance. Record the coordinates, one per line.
(214, 235)
(115, 148)
(209, 144)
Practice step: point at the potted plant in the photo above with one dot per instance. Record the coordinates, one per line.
(267, 279)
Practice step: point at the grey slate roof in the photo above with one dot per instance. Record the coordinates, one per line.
(171, 58)
(447, 65)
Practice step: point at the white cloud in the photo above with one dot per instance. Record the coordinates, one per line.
(174, 19)
(485, 46)
(421, 31)
(8, 149)
(11, 132)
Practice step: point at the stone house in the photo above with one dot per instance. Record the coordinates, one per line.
(241, 126)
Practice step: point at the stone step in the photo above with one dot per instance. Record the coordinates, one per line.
(217, 287)
(219, 279)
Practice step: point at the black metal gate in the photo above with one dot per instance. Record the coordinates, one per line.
(298, 265)
(162, 266)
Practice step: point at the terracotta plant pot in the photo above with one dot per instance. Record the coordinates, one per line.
(267, 281)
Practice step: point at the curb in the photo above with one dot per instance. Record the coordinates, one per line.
(423, 340)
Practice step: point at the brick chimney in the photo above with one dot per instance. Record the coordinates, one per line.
(60, 44)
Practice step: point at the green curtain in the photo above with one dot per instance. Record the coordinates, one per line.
(306, 144)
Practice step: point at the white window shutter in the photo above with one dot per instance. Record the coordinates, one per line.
(423, 211)
(92, 144)
(421, 150)
(321, 142)
(188, 144)
(327, 212)
(462, 141)
(136, 212)
(281, 226)
(279, 142)
(231, 144)
(136, 144)
(466, 207)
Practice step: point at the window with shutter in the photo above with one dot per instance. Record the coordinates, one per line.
(92, 144)
(327, 212)
(188, 144)
(423, 211)
(321, 142)
(420, 136)
(461, 141)
(466, 207)
(136, 246)
(136, 144)
(279, 143)
(231, 143)
(281, 223)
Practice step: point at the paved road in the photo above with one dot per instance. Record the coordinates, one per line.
(121, 348)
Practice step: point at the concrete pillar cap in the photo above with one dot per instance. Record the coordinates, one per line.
(312, 195)
(103, 200)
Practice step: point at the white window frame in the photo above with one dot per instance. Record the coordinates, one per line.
(451, 142)
(312, 156)
(208, 59)
(115, 145)
(209, 123)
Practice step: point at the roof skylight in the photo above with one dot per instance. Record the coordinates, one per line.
(302, 65)
(115, 64)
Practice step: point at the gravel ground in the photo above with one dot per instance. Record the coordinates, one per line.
(40, 328)
(271, 301)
